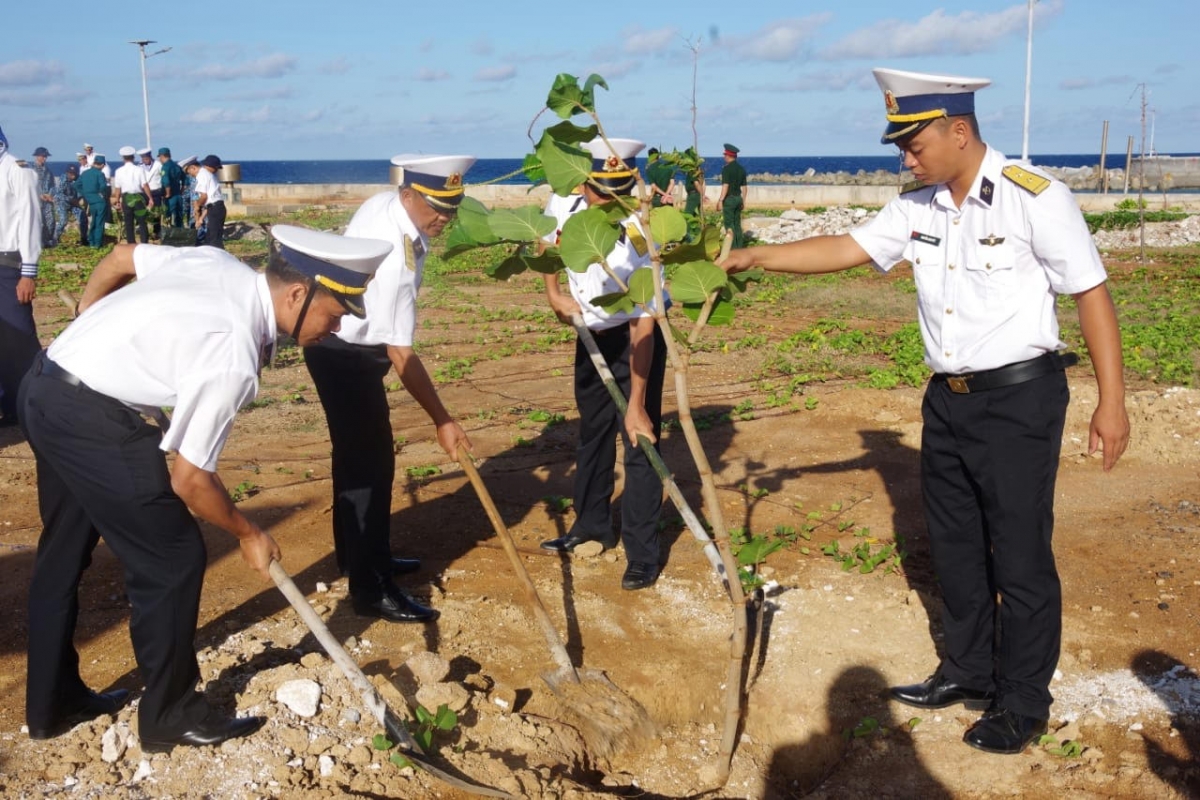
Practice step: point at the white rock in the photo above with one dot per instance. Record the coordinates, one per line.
(588, 550)
(143, 771)
(113, 742)
(325, 766)
(352, 716)
(322, 587)
(302, 696)
(793, 213)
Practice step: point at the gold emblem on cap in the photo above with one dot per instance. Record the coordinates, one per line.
(612, 164)
(889, 100)
(454, 180)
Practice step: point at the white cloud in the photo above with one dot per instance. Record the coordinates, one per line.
(43, 97)
(824, 81)
(212, 116)
(1167, 69)
(611, 70)
(638, 41)
(30, 73)
(273, 66)
(338, 66)
(271, 93)
(938, 33)
(482, 46)
(427, 74)
(782, 40)
(1089, 83)
(503, 72)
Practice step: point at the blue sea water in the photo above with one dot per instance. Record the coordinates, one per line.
(501, 170)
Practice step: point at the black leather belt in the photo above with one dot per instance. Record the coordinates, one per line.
(215, 203)
(52, 370)
(10, 258)
(1009, 375)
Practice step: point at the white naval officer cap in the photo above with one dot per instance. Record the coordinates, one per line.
(914, 99)
(341, 265)
(187, 162)
(439, 179)
(614, 162)
(145, 151)
(127, 151)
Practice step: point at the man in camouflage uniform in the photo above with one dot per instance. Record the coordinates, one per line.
(68, 205)
(45, 189)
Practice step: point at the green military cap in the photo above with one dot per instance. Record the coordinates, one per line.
(731, 150)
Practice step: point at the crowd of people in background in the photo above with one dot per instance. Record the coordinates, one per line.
(150, 193)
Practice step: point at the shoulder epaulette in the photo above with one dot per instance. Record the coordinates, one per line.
(23, 163)
(912, 186)
(1029, 181)
(636, 239)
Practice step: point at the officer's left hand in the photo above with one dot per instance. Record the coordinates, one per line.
(449, 435)
(1109, 429)
(26, 289)
(637, 421)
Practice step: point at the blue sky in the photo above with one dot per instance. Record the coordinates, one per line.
(350, 79)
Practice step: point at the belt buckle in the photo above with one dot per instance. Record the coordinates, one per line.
(958, 384)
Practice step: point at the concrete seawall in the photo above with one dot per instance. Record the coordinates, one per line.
(272, 198)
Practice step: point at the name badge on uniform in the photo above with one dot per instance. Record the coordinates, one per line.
(917, 236)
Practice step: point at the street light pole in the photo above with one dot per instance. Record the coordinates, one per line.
(141, 44)
(1028, 81)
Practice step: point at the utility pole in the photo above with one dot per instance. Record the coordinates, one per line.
(1028, 83)
(141, 45)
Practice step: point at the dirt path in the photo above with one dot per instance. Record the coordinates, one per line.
(1127, 543)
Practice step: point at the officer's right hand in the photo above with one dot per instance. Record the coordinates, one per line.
(565, 307)
(259, 550)
(737, 261)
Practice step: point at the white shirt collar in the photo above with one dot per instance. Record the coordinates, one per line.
(407, 227)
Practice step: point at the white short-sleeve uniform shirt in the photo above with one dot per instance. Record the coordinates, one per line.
(987, 273)
(629, 254)
(207, 185)
(191, 333)
(129, 179)
(391, 297)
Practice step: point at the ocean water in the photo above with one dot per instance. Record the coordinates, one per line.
(500, 170)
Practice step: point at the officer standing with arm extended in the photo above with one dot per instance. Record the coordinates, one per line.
(348, 371)
(154, 182)
(93, 187)
(733, 194)
(633, 347)
(193, 333)
(992, 244)
(20, 249)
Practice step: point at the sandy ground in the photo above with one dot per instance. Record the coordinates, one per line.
(831, 641)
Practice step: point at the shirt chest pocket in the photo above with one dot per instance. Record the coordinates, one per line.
(929, 270)
(992, 271)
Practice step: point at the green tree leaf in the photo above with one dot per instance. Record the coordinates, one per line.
(695, 281)
(473, 220)
(547, 263)
(589, 90)
(570, 133)
(381, 742)
(565, 96)
(458, 241)
(667, 224)
(423, 715)
(722, 312)
(524, 224)
(503, 270)
(587, 237)
(739, 280)
(641, 285)
(533, 169)
(401, 760)
(445, 719)
(614, 302)
(566, 165)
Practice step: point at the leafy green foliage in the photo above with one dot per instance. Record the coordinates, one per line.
(428, 725)
(667, 224)
(587, 238)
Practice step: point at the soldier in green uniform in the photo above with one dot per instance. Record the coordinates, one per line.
(661, 177)
(733, 194)
(93, 186)
(173, 181)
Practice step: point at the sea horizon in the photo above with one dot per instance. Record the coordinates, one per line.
(507, 170)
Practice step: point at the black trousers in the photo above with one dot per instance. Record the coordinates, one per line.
(988, 466)
(18, 340)
(596, 457)
(130, 219)
(100, 474)
(214, 221)
(158, 196)
(349, 381)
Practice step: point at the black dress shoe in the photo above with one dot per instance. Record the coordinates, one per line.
(639, 575)
(1004, 731)
(937, 692)
(92, 706)
(565, 544)
(401, 566)
(209, 732)
(394, 606)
